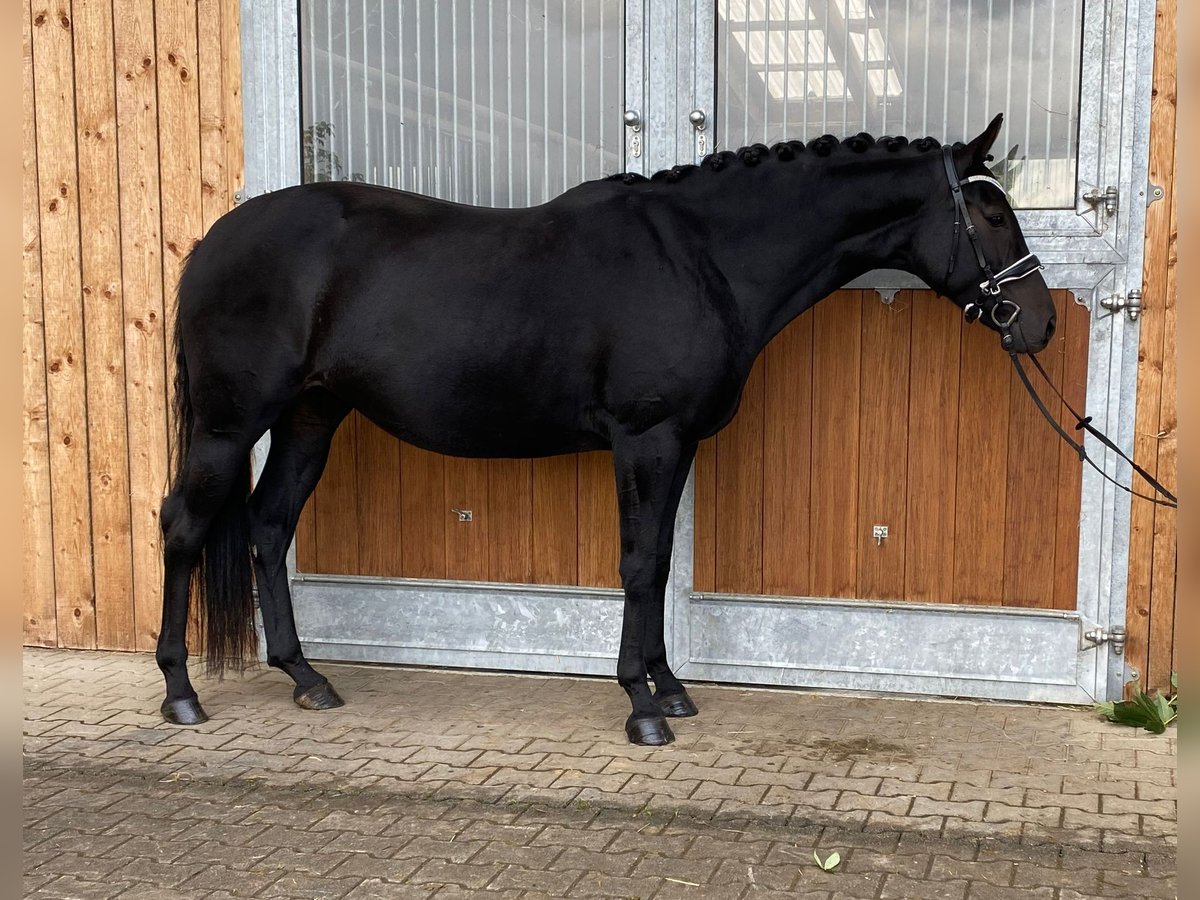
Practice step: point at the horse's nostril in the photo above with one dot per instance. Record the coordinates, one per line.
(1050, 328)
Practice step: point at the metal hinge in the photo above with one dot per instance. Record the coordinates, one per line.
(1109, 198)
(1097, 636)
(1131, 303)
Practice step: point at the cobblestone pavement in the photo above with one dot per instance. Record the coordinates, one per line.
(448, 784)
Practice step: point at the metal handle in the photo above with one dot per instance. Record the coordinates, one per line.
(699, 120)
(633, 122)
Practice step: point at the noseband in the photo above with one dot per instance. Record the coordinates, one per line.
(1003, 312)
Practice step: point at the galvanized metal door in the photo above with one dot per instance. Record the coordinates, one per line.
(1072, 78)
(506, 102)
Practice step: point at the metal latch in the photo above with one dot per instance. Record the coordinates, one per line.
(1109, 198)
(464, 515)
(1131, 303)
(1116, 637)
(880, 533)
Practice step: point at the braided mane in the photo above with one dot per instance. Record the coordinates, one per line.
(784, 151)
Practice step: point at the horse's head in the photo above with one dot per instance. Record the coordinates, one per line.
(974, 251)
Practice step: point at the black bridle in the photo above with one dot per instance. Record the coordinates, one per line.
(1004, 314)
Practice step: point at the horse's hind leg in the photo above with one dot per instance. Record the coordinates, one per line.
(645, 468)
(299, 449)
(210, 488)
(670, 694)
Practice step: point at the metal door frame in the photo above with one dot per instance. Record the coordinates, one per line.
(670, 70)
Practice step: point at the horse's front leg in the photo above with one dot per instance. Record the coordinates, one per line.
(645, 467)
(669, 693)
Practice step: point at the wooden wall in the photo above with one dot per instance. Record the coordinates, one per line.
(132, 148)
(1150, 606)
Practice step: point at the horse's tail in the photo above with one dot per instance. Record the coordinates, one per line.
(221, 581)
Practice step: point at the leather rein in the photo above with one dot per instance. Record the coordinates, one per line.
(1004, 313)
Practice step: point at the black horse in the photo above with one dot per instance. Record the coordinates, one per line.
(624, 314)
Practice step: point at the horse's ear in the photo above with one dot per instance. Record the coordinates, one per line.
(976, 152)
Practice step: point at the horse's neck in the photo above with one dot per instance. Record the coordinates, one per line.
(787, 234)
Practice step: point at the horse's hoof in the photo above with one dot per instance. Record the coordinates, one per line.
(183, 712)
(319, 696)
(650, 731)
(677, 706)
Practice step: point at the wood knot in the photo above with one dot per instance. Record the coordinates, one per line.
(66, 440)
(105, 480)
(70, 359)
(56, 365)
(139, 324)
(78, 613)
(171, 58)
(53, 206)
(39, 20)
(184, 74)
(153, 317)
(62, 190)
(147, 62)
(65, 22)
(109, 294)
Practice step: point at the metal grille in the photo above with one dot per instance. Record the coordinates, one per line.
(494, 102)
(800, 68)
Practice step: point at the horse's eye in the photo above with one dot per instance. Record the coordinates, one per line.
(995, 221)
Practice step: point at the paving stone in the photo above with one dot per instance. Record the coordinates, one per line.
(233, 881)
(438, 871)
(310, 886)
(898, 887)
(375, 889)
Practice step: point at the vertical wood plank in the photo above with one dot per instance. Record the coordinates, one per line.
(467, 542)
(787, 460)
(932, 449)
(337, 504)
(182, 209)
(423, 512)
(231, 87)
(833, 540)
(1076, 324)
(142, 280)
(981, 490)
(179, 137)
(599, 522)
(1152, 338)
(556, 520)
(58, 202)
(215, 194)
(378, 517)
(510, 507)
(740, 491)
(1032, 509)
(704, 571)
(108, 450)
(40, 626)
(883, 447)
(1163, 598)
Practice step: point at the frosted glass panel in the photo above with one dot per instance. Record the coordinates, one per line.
(494, 102)
(801, 68)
